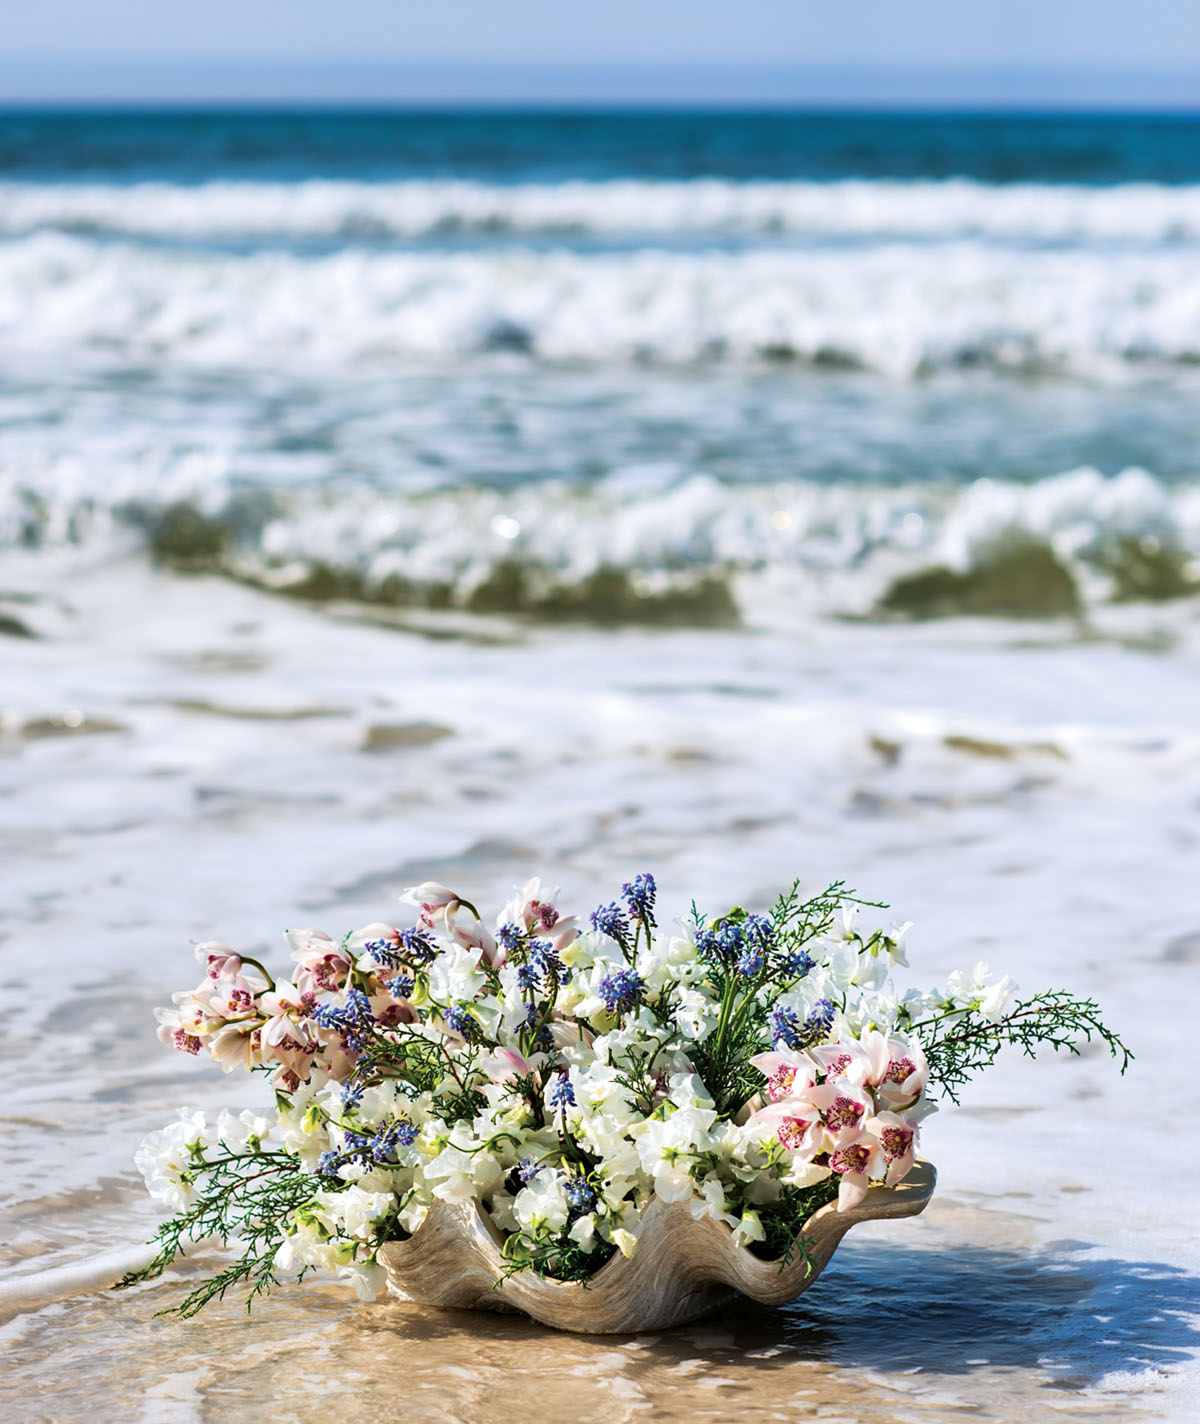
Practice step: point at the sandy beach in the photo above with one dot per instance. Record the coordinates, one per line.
(221, 764)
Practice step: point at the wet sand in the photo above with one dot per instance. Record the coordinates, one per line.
(182, 757)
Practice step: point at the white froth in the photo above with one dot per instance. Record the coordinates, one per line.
(956, 207)
(894, 309)
(828, 548)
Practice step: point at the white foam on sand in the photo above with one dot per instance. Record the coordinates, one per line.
(27, 1290)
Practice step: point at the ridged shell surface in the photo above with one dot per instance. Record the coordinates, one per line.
(683, 1268)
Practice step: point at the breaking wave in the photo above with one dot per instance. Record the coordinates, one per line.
(345, 210)
(699, 553)
(900, 311)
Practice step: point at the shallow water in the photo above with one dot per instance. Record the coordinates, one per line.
(1028, 799)
(832, 1359)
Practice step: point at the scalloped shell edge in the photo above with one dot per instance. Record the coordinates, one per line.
(684, 1266)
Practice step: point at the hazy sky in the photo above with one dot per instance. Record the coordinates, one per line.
(61, 47)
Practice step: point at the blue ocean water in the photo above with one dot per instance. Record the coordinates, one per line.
(398, 345)
(547, 146)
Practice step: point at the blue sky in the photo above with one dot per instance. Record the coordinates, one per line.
(1022, 49)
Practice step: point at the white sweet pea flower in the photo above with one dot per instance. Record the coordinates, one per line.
(243, 1131)
(454, 975)
(763, 1190)
(896, 948)
(749, 1228)
(681, 949)
(916, 1004)
(452, 1175)
(367, 1277)
(459, 1173)
(667, 1150)
(618, 1154)
(167, 1159)
(995, 1000)
(878, 1010)
(303, 1131)
(625, 1242)
(710, 1201)
(962, 988)
(850, 967)
(968, 991)
(687, 1090)
(804, 1174)
(695, 1015)
(308, 1245)
(842, 927)
(358, 1210)
(412, 1214)
(581, 953)
(542, 1203)
(583, 1232)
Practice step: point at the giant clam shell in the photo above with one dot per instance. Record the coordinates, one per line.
(683, 1268)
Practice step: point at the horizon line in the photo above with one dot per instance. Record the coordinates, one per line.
(815, 108)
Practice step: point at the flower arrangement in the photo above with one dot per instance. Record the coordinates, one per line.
(564, 1076)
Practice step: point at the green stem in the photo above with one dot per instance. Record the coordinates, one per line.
(262, 969)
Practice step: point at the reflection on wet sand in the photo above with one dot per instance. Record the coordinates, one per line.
(895, 1331)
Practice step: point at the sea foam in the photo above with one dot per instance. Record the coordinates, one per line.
(315, 208)
(698, 551)
(898, 310)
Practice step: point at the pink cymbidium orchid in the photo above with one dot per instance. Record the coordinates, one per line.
(856, 1159)
(905, 1075)
(231, 998)
(794, 1123)
(562, 932)
(844, 1106)
(237, 1045)
(787, 1073)
(893, 1068)
(219, 961)
(847, 1058)
(390, 1012)
(475, 936)
(896, 1069)
(220, 1014)
(437, 903)
(178, 1029)
(322, 965)
(429, 895)
(288, 1034)
(897, 1138)
(527, 906)
(533, 910)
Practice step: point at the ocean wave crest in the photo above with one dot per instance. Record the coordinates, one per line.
(900, 311)
(700, 552)
(850, 208)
